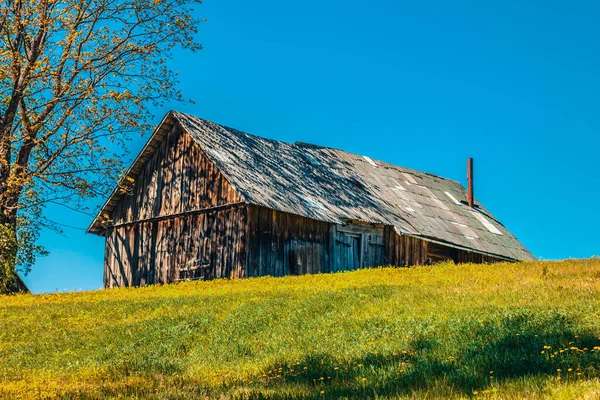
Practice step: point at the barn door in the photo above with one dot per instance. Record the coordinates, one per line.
(358, 246)
(348, 251)
(373, 256)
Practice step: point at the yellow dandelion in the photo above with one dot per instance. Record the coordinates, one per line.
(558, 370)
(364, 379)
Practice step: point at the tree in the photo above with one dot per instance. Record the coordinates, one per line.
(77, 79)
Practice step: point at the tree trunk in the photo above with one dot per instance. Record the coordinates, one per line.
(8, 251)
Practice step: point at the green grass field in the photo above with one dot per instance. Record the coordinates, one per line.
(504, 331)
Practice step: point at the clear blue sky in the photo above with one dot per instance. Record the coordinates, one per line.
(514, 84)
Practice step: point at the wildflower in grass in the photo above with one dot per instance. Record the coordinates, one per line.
(570, 369)
(364, 379)
(558, 370)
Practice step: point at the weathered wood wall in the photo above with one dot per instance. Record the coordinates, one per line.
(181, 220)
(284, 244)
(403, 250)
(177, 178)
(200, 246)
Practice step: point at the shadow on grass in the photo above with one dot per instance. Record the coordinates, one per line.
(522, 344)
(516, 346)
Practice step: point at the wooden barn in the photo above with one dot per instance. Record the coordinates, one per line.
(205, 201)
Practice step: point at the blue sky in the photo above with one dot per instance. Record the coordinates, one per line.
(514, 84)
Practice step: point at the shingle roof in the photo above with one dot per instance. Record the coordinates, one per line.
(335, 186)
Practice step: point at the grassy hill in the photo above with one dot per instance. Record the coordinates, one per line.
(483, 331)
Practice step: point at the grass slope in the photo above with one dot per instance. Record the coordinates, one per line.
(494, 331)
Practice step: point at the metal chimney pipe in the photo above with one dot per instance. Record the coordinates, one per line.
(470, 196)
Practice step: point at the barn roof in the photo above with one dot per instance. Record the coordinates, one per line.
(336, 186)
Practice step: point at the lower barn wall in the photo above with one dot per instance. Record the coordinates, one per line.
(403, 251)
(285, 244)
(245, 241)
(200, 246)
(437, 252)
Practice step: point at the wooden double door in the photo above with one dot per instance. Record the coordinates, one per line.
(358, 246)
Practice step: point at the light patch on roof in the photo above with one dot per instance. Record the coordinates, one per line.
(409, 209)
(471, 238)
(311, 159)
(370, 161)
(312, 203)
(220, 154)
(435, 199)
(486, 223)
(398, 185)
(409, 178)
(440, 204)
(465, 230)
(453, 198)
